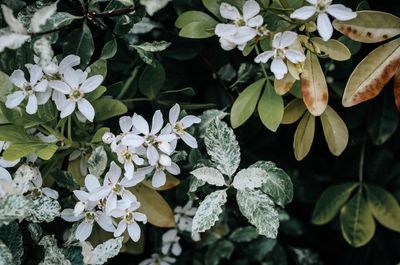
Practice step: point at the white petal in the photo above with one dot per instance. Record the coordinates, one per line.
(174, 113)
(189, 120)
(137, 178)
(313, 2)
(59, 99)
(114, 173)
(165, 160)
(158, 179)
(189, 140)
(176, 249)
(99, 194)
(14, 99)
(140, 217)
(50, 193)
(140, 124)
(255, 21)
(173, 169)
(79, 208)
(227, 45)
(295, 56)
(18, 78)
(86, 109)
(68, 215)
(91, 83)
(224, 30)
(42, 98)
(111, 203)
(157, 122)
(125, 123)
(132, 140)
(166, 137)
(341, 12)
(287, 39)
(243, 35)
(35, 72)
(4, 174)
(71, 77)
(81, 195)
(32, 105)
(8, 163)
(120, 229)
(276, 41)
(83, 231)
(92, 183)
(279, 68)
(324, 26)
(68, 62)
(250, 9)
(229, 12)
(129, 169)
(152, 155)
(134, 231)
(41, 86)
(264, 57)
(165, 147)
(304, 12)
(105, 222)
(60, 86)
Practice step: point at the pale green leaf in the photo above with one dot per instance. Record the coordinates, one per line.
(249, 178)
(304, 136)
(270, 108)
(5, 254)
(207, 117)
(293, 111)
(334, 49)
(210, 175)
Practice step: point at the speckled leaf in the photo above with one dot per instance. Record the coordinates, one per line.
(223, 147)
(44, 209)
(6, 257)
(14, 207)
(372, 73)
(101, 253)
(210, 175)
(370, 26)
(260, 211)
(11, 236)
(209, 210)
(356, 221)
(313, 86)
(52, 254)
(207, 117)
(244, 234)
(249, 178)
(35, 231)
(97, 162)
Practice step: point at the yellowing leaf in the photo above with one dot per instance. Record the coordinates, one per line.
(335, 131)
(282, 86)
(370, 26)
(293, 111)
(370, 76)
(334, 49)
(153, 205)
(246, 103)
(270, 108)
(313, 86)
(396, 88)
(304, 136)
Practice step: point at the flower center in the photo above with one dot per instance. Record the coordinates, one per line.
(321, 6)
(27, 89)
(240, 22)
(118, 189)
(127, 156)
(36, 193)
(76, 94)
(178, 128)
(280, 53)
(129, 218)
(263, 31)
(90, 217)
(151, 139)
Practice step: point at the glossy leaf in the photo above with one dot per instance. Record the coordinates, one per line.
(304, 136)
(152, 80)
(372, 73)
(270, 108)
(334, 49)
(107, 108)
(80, 42)
(293, 111)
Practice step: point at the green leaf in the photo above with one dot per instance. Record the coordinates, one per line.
(96, 94)
(98, 136)
(249, 178)
(194, 16)
(219, 250)
(198, 30)
(12, 238)
(209, 211)
(58, 20)
(335, 131)
(384, 207)
(304, 136)
(6, 86)
(213, 7)
(223, 147)
(277, 183)
(246, 103)
(152, 80)
(99, 67)
(331, 201)
(80, 42)
(44, 209)
(109, 50)
(356, 221)
(155, 46)
(260, 211)
(293, 111)
(107, 108)
(210, 175)
(64, 179)
(46, 152)
(369, 26)
(270, 108)
(97, 161)
(244, 234)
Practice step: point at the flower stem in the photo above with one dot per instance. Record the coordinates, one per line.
(69, 129)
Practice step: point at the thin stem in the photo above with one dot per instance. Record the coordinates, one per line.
(69, 129)
(113, 13)
(136, 100)
(261, 64)
(128, 82)
(361, 166)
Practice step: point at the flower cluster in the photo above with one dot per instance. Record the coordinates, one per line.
(61, 83)
(151, 148)
(286, 48)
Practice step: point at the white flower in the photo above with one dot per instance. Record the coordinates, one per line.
(184, 216)
(323, 8)
(170, 241)
(130, 217)
(128, 157)
(280, 52)
(57, 70)
(108, 138)
(243, 27)
(36, 89)
(36, 188)
(75, 85)
(92, 184)
(157, 260)
(114, 187)
(164, 164)
(90, 217)
(179, 127)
